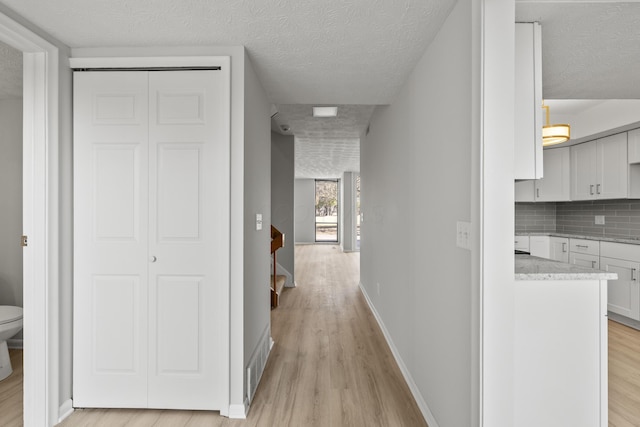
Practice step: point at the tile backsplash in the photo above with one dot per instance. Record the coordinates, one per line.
(535, 217)
(622, 217)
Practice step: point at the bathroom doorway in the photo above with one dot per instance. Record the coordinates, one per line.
(40, 192)
(11, 281)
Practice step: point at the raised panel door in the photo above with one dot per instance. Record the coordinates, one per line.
(110, 239)
(188, 237)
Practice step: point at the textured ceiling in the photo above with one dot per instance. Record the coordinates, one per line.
(10, 72)
(590, 50)
(326, 157)
(305, 51)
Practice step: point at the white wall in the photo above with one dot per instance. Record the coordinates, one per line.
(257, 199)
(282, 196)
(434, 157)
(11, 202)
(305, 212)
(348, 212)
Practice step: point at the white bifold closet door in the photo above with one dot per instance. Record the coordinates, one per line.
(151, 250)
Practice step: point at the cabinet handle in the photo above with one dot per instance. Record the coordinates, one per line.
(564, 247)
(593, 264)
(582, 246)
(598, 189)
(591, 189)
(538, 193)
(634, 277)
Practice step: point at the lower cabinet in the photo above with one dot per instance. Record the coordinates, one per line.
(559, 249)
(623, 294)
(560, 353)
(585, 260)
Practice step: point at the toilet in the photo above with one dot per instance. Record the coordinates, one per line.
(10, 324)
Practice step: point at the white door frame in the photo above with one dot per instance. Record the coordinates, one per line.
(40, 221)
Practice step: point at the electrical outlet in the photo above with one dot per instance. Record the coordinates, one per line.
(258, 222)
(599, 219)
(463, 234)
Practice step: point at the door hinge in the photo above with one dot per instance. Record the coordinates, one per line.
(23, 241)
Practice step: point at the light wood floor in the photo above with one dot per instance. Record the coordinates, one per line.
(624, 376)
(330, 365)
(11, 393)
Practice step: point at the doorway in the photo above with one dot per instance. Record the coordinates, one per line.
(40, 221)
(326, 208)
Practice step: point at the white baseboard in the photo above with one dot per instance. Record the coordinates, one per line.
(239, 412)
(15, 343)
(424, 408)
(65, 410)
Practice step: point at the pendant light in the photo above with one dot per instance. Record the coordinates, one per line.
(554, 134)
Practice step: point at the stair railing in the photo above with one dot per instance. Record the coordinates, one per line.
(277, 242)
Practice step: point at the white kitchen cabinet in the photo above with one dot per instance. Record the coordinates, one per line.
(560, 353)
(559, 249)
(555, 186)
(585, 253)
(528, 158)
(599, 169)
(633, 137)
(585, 260)
(522, 243)
(623, 295)
(539, 246)
(525, 191)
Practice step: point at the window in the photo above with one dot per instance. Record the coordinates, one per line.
(326, 211)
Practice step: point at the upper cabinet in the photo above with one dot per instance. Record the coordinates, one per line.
(528, 101)
(599, 169)
(555, 186)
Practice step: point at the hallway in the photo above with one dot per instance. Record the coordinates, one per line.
(330, 365)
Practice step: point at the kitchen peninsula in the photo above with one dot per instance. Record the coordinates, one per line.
(560, 333)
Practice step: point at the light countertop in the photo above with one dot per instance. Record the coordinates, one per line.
(533, 268)
(627, 240)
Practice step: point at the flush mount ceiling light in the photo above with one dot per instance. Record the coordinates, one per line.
(325, 111)
(554, 134)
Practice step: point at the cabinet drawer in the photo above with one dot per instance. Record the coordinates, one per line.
(582, 246)
(620, 251)
(585, 260)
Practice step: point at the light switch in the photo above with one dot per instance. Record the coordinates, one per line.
(258, 221)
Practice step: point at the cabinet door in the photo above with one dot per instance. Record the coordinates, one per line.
(623, 295)
(525, 191)
(555, 186)
(583, 171)
(539, 246)
(585, 260)
(528, 99)
(612, 169)
(559, 249)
